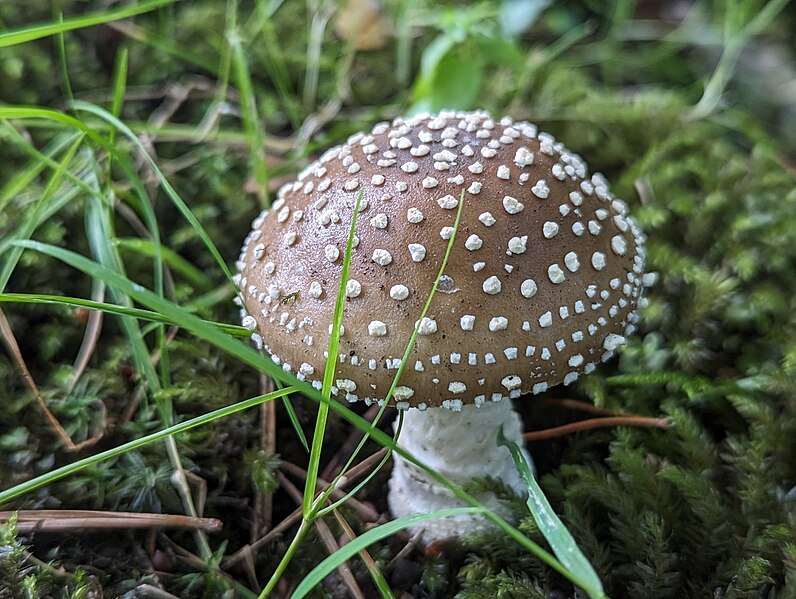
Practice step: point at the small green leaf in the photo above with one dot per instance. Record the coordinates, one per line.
(560, 539)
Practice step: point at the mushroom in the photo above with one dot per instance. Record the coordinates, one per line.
(543, 282)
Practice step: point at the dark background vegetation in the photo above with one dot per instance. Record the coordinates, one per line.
(705, 508)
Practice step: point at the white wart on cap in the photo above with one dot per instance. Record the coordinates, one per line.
(543, 282)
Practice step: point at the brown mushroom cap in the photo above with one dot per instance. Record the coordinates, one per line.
(542, 282)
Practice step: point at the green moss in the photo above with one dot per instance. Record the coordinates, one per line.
(705, 508)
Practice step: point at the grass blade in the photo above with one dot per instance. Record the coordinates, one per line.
(20, 36)
(79, 302)
(350, 549)
(331, 365)
(146, 248)
(553, 529)
(63, 471)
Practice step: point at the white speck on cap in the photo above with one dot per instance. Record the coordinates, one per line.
(492, 285)
(413, 215)
(498, 323)
(523, 157)
(353, 288)
(379, 221)
(417, 251)
(487, 219)
(427, 326)
(377, 328)
(399, 292)
(528, 288)
(381, 256)
(473, 242)
(457, 387)
(598, 260)
(511, 382)
(331, 252)
(512, 205)
(517, 245)
(249, 322)
(571, 261)
(618, 245)
(556, 274)
(613, 341)
(448, 202)
(402, 393)
(541, 190)
(467, 322)
(550, 229)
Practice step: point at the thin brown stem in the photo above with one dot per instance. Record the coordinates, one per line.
(76, 520)
(592, 423)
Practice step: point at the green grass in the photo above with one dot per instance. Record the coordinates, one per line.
(129, 177)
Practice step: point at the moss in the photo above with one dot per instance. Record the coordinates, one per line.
(706, 507)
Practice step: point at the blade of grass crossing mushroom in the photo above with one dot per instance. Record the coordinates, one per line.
(553, 529)
(139, 313)
(328, 565)
(309, 505)
(409, 345)
(331, 365)
(210, 333)
(248, 355)
(180, 316)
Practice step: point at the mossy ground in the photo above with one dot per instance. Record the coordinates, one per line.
(704, 508)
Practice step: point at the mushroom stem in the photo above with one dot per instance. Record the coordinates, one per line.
(461, 446)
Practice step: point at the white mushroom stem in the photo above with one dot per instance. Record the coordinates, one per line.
(461, 446)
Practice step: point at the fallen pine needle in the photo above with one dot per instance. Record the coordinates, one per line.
(592, 423)
(76, 520)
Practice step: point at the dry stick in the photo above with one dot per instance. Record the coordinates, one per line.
(593, 423)
(370, 564)
(76, 520)
(365, 512)
(327, 537)
(195, 561)
(264, 504)
(356, 471)
(344, 569)
(13, 348)
(90, 338)
(349, 445)
(250, 567)
(405, 550)
(233, 559)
